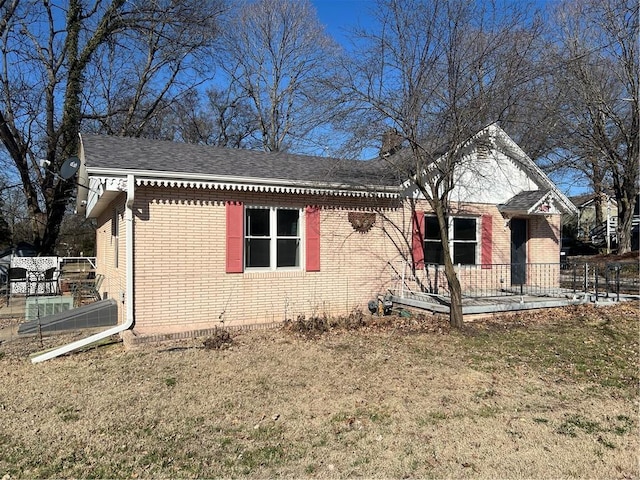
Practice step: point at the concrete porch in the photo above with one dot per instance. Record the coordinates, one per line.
(490, 288)
(489, 304)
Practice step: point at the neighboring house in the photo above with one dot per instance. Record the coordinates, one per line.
(192, 237)
(586, 227)
(603, 234)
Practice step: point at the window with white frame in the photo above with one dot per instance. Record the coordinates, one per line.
(463, 240)
(272, 238)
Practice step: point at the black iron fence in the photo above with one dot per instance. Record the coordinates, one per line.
(606, 279)
(533, 279)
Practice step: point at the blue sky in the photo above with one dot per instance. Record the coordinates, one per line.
(339, 15)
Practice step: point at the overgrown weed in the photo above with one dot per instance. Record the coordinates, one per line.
(403, 322)
(316, 325)
(220, 339)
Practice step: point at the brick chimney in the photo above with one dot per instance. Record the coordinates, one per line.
(391, 142)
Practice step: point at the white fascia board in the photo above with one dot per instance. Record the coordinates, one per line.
(512, 147)
(143, 176)
(499, 140)
(102, 190)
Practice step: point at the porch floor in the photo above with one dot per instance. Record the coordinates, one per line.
(498, 303)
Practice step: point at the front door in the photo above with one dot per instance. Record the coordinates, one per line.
(518, 251)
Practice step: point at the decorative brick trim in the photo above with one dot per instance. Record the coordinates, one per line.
(130, 339)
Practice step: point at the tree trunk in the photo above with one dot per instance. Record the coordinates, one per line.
(624, 239)
(455, 290)
(598, 193)
(455, 309)
(626, 198)
(625, 224)
(55, 214)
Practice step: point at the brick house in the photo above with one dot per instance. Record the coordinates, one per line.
(191, 237)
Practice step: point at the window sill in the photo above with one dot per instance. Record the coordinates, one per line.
(282, 273)
(455, 265)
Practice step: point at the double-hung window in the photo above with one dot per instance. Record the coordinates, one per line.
(463, 241)
(272, 238)
(433, 252)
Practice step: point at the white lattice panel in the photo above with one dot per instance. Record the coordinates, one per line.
(35, 266)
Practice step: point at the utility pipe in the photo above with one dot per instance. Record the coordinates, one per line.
(129, 313)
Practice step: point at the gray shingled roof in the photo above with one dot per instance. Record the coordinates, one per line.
(583, 200)
(523, 201)
(139, 154)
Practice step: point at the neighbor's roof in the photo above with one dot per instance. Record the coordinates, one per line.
(587, 199)
(108, 154)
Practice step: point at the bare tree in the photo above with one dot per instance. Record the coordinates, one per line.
(115, 62)
(14, 213)
(145, 73)
(5, 214)
(276, 56)
(436, 72)
(7, 9)
(220, 118)
(597, 73)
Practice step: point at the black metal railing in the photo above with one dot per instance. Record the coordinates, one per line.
(532, 279)
(537, 279)
(608, 279)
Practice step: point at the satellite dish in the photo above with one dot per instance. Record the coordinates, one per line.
(69, 167)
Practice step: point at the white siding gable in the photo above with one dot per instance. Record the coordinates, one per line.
(490, 177)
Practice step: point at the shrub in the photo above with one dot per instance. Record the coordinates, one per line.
(219, 340)
(355, 320)
(317, 325)
(309, 327)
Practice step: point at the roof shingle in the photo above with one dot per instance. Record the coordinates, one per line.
(523, 201)
(139, 154)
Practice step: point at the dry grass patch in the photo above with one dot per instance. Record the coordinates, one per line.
(539, 395)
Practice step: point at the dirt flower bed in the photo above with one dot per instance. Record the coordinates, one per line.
(544, 394)
(404, 321)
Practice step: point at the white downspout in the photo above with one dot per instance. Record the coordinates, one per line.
(128, 216)
(129, 312)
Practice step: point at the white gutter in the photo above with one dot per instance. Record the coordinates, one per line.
(129, 288)
(154, 176)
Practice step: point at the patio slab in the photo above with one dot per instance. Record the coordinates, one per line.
(473, 306)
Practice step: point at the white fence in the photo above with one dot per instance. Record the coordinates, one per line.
(41, 275)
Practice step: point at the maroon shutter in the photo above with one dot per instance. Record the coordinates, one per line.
(417, 239)
(487, 241)
(312, 235)
(235, 237)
